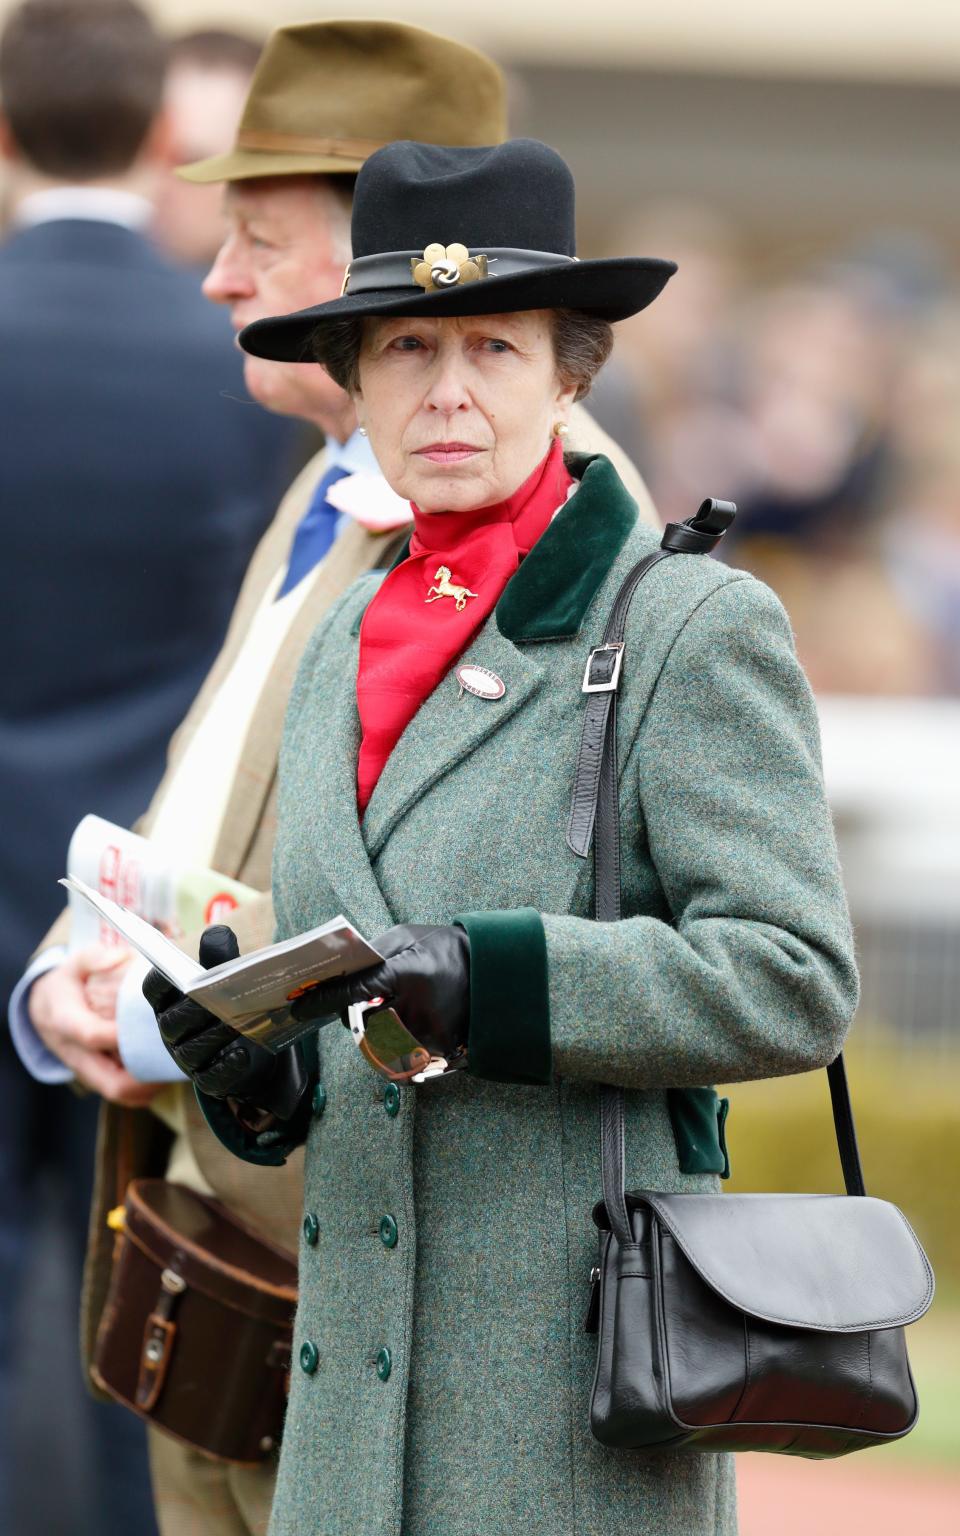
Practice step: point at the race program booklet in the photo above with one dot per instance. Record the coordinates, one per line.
(252, 993)
(177, 897)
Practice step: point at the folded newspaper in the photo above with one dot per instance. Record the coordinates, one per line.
(254, 992)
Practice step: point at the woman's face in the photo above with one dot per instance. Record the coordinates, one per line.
(460, 411)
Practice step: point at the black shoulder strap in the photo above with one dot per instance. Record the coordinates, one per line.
(595, 817)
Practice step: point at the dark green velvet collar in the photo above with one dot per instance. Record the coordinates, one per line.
(551, 592)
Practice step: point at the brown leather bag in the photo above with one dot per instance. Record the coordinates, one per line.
(197, 1329)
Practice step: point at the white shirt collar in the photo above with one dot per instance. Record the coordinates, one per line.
(355, 455)
(105, 205)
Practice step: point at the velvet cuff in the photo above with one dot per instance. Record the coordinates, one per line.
(509, 997)
(238, 1139)
(268, 1148)
(699, 1122)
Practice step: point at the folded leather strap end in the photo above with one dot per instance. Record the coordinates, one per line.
(702, 533)
(158, 1339)
(714, 516)
(159, 1336)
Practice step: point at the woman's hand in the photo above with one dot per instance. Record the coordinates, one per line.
(214, 1056)
(425, 976)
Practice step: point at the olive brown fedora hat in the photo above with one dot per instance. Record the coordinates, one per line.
(326, 94)
(463, 231)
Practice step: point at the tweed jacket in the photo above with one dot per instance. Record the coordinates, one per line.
(444, 1376)
(133, 1143)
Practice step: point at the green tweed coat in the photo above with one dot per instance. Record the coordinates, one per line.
(441, 1372)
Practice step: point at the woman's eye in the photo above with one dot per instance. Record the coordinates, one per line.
(496, 344)
(406, 343)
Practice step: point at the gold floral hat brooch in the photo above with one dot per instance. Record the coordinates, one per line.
(444, 266)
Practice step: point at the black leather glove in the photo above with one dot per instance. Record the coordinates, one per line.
(218, 1060)
(425, 977)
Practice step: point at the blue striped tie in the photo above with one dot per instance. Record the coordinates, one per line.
(315, 533)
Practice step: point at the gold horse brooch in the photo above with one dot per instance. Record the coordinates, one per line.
(446, 588)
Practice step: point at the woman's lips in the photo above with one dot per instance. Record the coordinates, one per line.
(447, 453)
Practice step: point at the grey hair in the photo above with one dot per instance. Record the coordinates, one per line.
(337, 193)
(581, 345)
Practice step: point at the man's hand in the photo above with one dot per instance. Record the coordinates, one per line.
(73, 1010)
(101, 988)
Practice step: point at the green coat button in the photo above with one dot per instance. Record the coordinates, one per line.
(310, 1357)
(384, 1364)
(391, 1100)
(311, 1229)
(388, 1232)
(319, 1100)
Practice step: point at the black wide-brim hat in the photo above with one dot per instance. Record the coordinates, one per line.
(442, 231)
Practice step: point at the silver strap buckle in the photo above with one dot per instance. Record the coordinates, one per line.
(610, 686)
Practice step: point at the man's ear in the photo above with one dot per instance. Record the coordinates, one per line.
(8, 144)
(159, 147)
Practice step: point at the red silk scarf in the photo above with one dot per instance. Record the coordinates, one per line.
(430, 607)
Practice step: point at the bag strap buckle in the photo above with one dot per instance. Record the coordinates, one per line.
(609, 660)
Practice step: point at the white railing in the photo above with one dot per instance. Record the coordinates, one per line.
(892, 769)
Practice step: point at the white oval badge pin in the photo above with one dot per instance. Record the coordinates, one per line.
(479, 681)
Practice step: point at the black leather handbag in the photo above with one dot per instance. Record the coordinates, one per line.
(735, 1322)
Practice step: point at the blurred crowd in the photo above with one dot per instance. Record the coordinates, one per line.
(824, 400)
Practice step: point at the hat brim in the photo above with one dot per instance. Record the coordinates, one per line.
(612, 289)
(247, 164)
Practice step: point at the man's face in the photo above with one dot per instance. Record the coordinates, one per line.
(285, 249)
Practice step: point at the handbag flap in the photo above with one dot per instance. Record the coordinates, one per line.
(833, 1262)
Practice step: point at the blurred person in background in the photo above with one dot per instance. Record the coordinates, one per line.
(794, 396)
(815, 376)
(682, 361)
(324, 94)
(129, 467)
(921, 530)
(819, 365)
(208, 76)
(816, 370)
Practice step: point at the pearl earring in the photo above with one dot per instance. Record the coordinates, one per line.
(362, 431)
(560, 429)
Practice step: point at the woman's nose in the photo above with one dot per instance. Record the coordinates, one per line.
(447, 390)
(230, 277)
